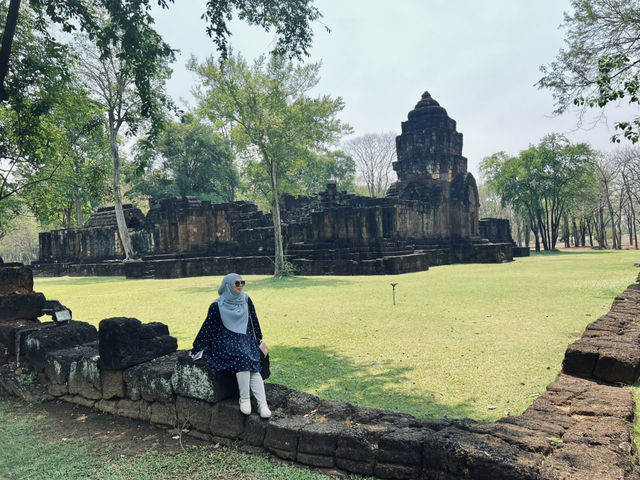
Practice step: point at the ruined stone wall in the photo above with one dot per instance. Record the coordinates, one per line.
(97, 241)
(432, 170)
(416, 221)
(434, 205)
(86, 244)
(496, 229)
(187, 226)
(183, 225)
(578, 429)
(172, 226)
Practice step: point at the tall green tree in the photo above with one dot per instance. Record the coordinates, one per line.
(601, 61)
(81, 181)
(542, 182)
(111, 82)
(189, 158)
(323, 168)
(35, 80)
(272, 120)
(33, 142)
(313, 173)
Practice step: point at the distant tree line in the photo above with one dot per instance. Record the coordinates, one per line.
(558, 191)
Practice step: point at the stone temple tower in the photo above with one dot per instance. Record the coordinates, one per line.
(432, 171)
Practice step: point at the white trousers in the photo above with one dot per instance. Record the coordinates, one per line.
(251, 380)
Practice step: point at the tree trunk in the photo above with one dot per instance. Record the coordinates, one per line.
(78, 202)
(536, 236)
(527, 235)
(543, 234)
(602, 232)
(279, 270)
(518, 232)
(590, 231)
(629, 227)
(633, 233)
(631, 214)
(123, 231)
(567, 232)
(620, 233)
(7, 41)
(66, 216)
(78, 199)
(613, 224)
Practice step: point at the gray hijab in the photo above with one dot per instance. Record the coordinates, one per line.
(233, 307)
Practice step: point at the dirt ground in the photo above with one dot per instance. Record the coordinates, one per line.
(126, 437)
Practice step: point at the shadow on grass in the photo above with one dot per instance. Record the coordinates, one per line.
(80, 280)
(558, 253)
(321, 370)
(271, 284)
(295, 282)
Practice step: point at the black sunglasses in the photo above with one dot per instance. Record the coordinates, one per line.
(240, 282)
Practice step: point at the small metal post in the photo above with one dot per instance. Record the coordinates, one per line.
(393, 286)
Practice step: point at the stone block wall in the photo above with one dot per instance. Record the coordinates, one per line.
(111, 268)
(434, 201)
(609, 348)
(579, 428)
(495, 230)
(84, 244)
(15, 278)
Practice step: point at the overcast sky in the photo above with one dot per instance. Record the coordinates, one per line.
(478, 59)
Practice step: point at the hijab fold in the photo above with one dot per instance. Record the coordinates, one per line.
(233, 307)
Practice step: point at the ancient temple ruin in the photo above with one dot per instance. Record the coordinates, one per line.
(429, 217)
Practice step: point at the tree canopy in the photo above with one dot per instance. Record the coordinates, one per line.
(111, 82)
(44, 129)
(601, 62)
(81, 179)
(274, 124)
(189, 158)
(542, 182)
(131, 26)
(30, 140)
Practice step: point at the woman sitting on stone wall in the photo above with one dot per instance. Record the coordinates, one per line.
(229, 338)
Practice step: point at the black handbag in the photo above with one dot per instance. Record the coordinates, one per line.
(265, 370)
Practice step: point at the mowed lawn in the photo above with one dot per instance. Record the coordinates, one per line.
(477, 341)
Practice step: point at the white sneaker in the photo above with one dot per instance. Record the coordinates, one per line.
(245, 406)
(263, 410)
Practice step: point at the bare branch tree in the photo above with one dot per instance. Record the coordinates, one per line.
(374, 154)
(607, 173)
(626, 161)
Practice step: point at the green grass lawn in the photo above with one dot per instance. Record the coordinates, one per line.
(460, 339)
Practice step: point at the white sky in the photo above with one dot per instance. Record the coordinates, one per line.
(479, 59)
